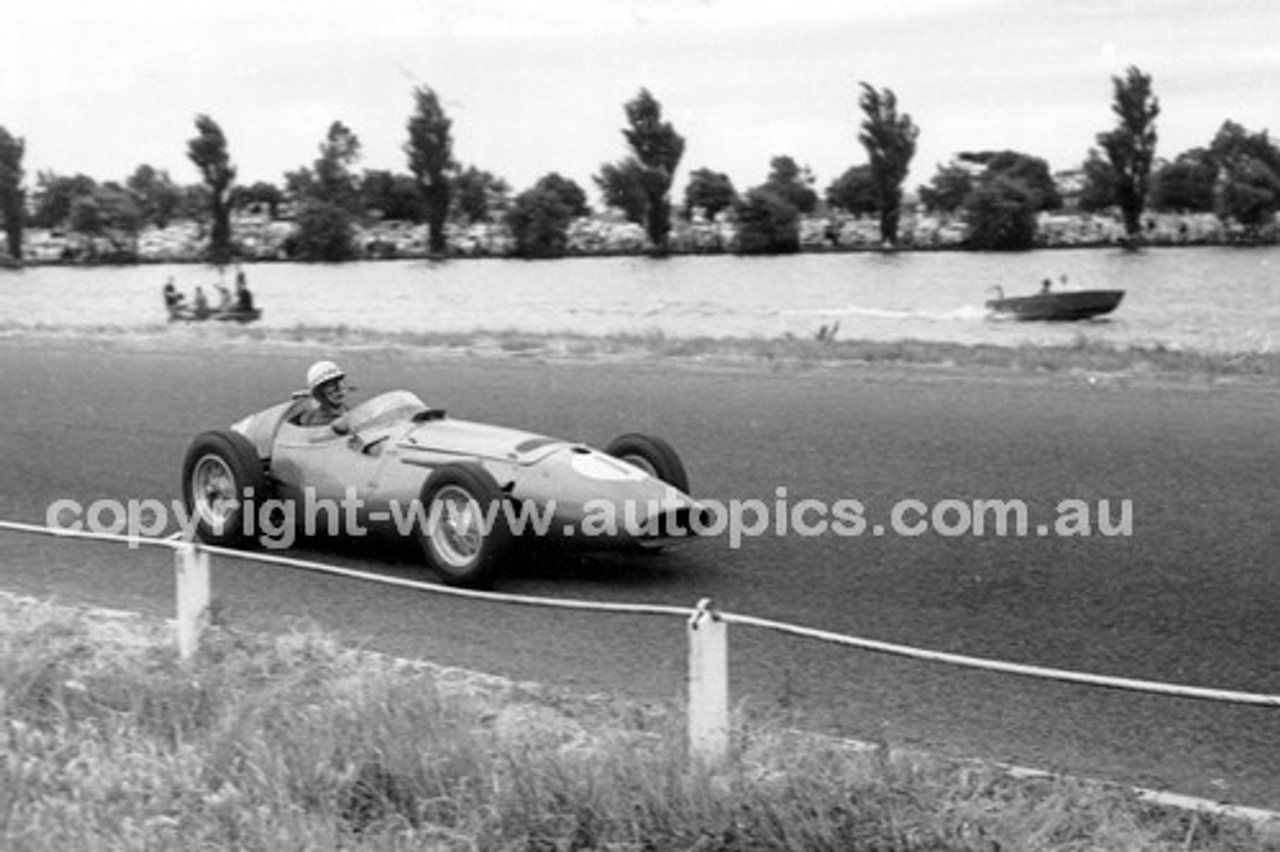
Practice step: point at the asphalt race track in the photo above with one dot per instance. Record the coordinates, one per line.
(1192, 596)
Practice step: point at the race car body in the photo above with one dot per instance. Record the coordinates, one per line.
(467, 490)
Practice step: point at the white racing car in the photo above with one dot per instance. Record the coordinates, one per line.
(471, 490)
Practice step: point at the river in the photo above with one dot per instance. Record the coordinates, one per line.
(1206, 299)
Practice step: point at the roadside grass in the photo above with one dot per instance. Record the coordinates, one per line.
(294, 742)
(1080, 356)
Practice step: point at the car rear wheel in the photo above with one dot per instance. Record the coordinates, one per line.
(222, 478)
(652, 455)
(468, 533)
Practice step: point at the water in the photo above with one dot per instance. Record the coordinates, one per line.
(1209, 299)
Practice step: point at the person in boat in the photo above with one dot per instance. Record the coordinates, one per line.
(244, 299)
(325, 380)
(172, 298)
(201, 303)
(224, 297)
(1046, 285)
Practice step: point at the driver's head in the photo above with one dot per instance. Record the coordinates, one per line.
(324, 379)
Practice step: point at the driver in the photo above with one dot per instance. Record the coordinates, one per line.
(324, 378)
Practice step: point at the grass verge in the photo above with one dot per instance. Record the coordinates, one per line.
(1080, 356)
(294, 742)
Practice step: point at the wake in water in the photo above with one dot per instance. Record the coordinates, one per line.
(965, 313)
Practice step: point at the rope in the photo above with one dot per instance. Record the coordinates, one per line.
(1131, 684)
(1042, 672)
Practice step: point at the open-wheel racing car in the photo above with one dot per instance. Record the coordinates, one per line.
(468, 491)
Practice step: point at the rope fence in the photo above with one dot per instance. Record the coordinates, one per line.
(706, 629)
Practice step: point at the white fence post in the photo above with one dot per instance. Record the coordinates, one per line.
(192, 566)
(708, 685)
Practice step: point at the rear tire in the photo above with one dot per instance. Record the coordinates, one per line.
(468, 536)
(222, 479)
(652, 455)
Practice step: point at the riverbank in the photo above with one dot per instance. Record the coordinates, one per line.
(1090, 360)
(295, 741)
(258, 238)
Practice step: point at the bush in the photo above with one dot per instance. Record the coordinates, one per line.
(539, 221)
(767, 224)
(1001, 214)
(325, 233)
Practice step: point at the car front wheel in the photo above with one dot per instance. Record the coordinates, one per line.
(222, 479)
(467, 533)
(652, 455)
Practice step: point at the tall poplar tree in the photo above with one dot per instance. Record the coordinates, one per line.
(890, 140)
(430, 152)
(11, 195)
(208, 150)
(335, 181)
(1131, 146)
(658, 148)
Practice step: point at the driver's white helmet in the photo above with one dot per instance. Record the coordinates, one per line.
(321, 372)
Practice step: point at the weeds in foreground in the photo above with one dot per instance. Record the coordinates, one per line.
(295, 742)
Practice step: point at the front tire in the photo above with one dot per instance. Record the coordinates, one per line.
(222, 477)
(468, 533)
(652, 455)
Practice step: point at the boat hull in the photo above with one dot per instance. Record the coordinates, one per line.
(234, 315)
(1065, 306)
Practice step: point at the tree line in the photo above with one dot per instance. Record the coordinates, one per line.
(996, 194)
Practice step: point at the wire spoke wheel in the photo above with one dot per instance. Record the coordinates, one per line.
(222, 478)
(458, 529)
(468, 533)
(213, 491)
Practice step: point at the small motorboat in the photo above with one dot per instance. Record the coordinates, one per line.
(1056, 306)
(183, 313)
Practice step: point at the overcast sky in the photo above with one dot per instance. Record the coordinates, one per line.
(535, 86)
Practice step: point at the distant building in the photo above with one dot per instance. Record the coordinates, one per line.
(1070, 183)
